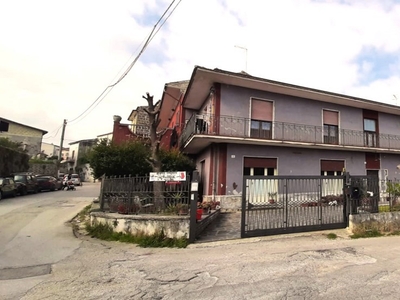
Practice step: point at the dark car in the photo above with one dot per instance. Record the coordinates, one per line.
(7, 187)
(26, 183)
(48, 183)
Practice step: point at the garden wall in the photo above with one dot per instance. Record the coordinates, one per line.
(384, 222)
(173, 226)
(12, 161)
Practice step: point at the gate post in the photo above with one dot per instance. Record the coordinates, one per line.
(194, 187)
(346, 195)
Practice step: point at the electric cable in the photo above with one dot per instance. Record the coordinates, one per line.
(105, 92)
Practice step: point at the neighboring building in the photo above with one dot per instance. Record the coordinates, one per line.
(106, 136)
(171, 119)
(140, 122)
(78, 150)
(29, 137)
(237, 125)
(49, 150)
(65, 154)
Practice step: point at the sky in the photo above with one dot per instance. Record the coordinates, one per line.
(57, 57)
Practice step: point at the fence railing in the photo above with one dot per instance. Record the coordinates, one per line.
(231, 126)
(133, 195)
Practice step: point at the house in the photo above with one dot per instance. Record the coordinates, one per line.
(29, 137)
(140, 122)
(237, 124)
(75, 162)
(171, 119)
(106, 136)
(49, 149)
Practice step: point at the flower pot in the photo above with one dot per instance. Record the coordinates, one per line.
(271, 201)
(199, 213)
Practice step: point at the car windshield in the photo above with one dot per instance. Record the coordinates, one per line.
(18, 178)
(75, 176)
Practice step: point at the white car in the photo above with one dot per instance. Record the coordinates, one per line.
(76, 180)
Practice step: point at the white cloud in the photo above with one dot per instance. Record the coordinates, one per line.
(56, 57)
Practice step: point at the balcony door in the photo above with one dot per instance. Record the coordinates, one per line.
(331, 127)
(261, 119)
(371, 128)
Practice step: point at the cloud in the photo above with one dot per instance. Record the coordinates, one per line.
(57, 57)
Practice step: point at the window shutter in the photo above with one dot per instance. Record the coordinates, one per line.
(261, 110)
(257, 162)
(331, 117)
(332, 165)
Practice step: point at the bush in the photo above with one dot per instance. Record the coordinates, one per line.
(157, 240)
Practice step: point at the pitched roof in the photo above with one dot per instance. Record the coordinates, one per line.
(10, 121)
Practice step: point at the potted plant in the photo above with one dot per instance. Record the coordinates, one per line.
(206, 207)
(199, 211)
(182, 208)
(272, 197)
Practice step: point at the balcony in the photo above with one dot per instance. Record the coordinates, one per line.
(202, 130)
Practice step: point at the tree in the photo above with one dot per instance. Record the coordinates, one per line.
(7, 143)
(174, 160)
(154, 159)
(129, 158)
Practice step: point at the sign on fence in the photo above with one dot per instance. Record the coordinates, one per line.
(168, 176)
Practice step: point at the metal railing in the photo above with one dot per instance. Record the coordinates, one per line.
(133, 195)
(231, 126)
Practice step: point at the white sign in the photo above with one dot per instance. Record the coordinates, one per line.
(168, 176)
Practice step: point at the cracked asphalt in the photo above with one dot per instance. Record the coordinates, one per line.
(297, 266)
(38, 261)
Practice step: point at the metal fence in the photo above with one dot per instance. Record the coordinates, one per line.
(133, 195)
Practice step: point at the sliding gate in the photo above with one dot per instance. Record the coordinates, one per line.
(287, 204)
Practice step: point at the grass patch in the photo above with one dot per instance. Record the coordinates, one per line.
(367, 234)
(332, 236)
(82, 215)
(157, 240)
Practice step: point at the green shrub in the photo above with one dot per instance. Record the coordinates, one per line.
(157, 240)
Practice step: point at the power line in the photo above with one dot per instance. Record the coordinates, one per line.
(105, 92)
(49, 137)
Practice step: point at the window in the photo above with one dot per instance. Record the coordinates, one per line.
(370, 133)
(332, 167)
(4, 126)
(255, 166)
(331, 128)
(261, 119)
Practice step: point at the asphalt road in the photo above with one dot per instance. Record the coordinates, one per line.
(34, 235)
(296, 266)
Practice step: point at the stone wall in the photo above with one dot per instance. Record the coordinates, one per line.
(385, 221)
(45, 169)
(12, 161)
(173, 226)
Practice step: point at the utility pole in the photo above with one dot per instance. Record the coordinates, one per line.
(61, 146)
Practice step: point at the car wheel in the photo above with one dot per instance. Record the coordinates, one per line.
(24, 191)
(14, 194)
(36, 190)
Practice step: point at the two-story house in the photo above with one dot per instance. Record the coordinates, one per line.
(77, 151)
(29, 137)
(237, 125)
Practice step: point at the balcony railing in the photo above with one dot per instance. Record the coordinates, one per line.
(230, 126)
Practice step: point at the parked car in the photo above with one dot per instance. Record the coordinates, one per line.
(76, 180)
(48, 183)
(26, 183)
(7, 187)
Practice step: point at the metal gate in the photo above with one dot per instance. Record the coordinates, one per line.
(287, 204)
